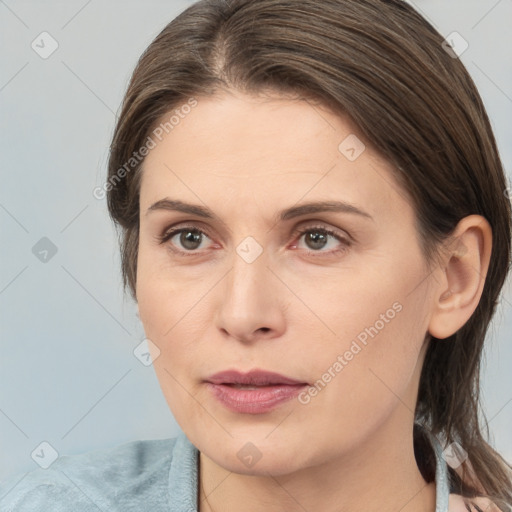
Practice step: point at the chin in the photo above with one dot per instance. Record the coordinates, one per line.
(259, 457)
(271, 464)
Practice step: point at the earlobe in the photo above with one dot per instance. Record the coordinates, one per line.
(465, 265)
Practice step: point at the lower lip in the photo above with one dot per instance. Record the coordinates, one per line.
(254, 401)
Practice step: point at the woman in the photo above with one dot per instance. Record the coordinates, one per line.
(314, 227)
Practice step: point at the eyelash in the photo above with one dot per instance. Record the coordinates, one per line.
(168, 235)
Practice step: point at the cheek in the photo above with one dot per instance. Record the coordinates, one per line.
(172, 304)
(168, 309)
(165, 294)
(380, 299)
(358, 384)
(383, 339)
(368, 356)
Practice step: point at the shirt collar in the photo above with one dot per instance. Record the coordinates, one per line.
(442, 484)
(183, 477)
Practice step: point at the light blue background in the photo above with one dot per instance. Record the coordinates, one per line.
(67, 369)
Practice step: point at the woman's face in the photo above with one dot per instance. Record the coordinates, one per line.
(336, 298)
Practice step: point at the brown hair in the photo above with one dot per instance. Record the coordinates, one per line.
(383, 65)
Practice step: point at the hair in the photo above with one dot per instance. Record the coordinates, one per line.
(381, 64)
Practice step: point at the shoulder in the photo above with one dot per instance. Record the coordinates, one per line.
(457, 503)
(118, 478)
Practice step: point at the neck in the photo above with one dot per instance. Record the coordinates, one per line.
(382, 475)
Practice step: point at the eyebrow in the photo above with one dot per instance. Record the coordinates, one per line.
(289, 213)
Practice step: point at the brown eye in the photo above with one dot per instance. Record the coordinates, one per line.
(321, 241)
(190, 239)
(185, 240)
(316, 239)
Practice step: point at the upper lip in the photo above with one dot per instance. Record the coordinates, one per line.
(254, 377)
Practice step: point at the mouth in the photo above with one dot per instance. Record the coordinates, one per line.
(245, 386)
(255, 392)
(254, 378)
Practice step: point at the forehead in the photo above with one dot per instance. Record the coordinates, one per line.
(265, 148)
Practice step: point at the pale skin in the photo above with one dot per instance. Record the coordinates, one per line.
(297, 306)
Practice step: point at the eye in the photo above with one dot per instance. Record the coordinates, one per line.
(317, 238)
(187, 239)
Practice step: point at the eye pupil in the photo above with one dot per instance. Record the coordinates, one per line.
(190, 239)
(317, 238)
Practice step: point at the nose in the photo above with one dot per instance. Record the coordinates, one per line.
(251, 302)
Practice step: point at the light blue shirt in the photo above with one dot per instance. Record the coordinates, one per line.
(154, 475)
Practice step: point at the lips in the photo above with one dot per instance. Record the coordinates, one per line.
(255, 392)
(253, 378)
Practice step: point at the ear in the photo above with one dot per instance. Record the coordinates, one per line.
(462, 276)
